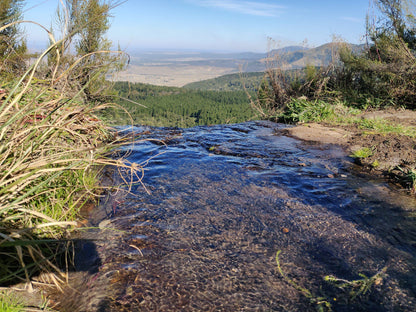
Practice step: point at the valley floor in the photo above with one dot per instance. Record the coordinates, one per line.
(171, 75)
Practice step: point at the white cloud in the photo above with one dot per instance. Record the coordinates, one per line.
(245, 7)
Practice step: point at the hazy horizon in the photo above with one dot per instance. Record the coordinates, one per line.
(217, 25)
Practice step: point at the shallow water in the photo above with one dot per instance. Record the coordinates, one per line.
(224, 199)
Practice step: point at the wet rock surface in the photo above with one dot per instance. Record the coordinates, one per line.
(223, 200)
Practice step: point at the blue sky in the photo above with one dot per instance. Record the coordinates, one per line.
(220, 25)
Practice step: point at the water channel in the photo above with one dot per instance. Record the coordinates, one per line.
(221, 201)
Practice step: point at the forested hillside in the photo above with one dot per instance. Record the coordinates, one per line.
(251, 81)
(232, 82)
(215, 101)
(170, 106)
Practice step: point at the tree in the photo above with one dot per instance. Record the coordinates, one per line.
(385, 71)
(398, 19)
(84, 24)
(90, 21)
(12, 47)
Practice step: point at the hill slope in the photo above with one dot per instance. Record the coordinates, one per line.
(231, 82)
(181, 68)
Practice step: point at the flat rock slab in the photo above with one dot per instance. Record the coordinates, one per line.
(320, 133)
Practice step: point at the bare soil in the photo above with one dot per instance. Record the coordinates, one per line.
(393, 155)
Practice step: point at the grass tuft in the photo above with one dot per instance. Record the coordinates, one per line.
(362, 153)
(320, 303)
(53, 150)
(348, 290)
(8, 303)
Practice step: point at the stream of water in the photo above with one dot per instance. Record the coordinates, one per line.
(223, 200)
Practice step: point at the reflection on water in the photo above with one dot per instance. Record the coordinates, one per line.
(225, 199)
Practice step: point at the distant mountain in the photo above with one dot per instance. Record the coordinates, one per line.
(299, 57)
(290, 59)
(289, 49)
(293, 57)
(180, 68)
(319, 56)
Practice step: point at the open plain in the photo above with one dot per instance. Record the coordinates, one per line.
(171, 75)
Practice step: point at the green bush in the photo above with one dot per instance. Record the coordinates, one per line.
(303, 110)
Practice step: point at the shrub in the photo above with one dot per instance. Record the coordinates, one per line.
(385, 71)
(303, 110)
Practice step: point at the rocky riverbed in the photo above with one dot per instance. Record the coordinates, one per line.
(223, 200)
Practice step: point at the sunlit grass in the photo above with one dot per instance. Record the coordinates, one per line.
(8, 303)
(304, 110)
(381, 125)
(339, 113)
(362, 153)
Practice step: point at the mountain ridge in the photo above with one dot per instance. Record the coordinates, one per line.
(181, 68)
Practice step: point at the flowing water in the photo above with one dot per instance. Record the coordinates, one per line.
(223, 200)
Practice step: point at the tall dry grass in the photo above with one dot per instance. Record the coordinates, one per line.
(52, 152)
(282, 84)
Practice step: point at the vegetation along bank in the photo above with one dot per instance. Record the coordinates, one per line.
(53, 147)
